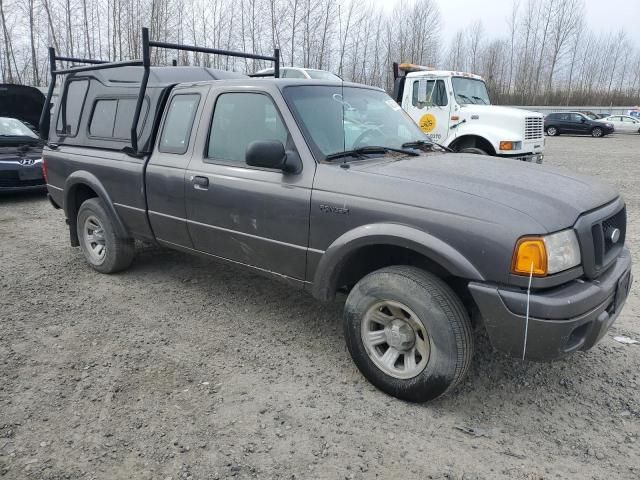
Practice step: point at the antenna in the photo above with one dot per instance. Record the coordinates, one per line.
(526, 321)
(344, 136)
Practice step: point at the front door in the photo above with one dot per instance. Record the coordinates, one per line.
(164, 177)
(254, 216)
(429, 106)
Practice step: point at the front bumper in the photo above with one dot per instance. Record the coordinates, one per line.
(528, 157)
(16, 176)
(574, 316)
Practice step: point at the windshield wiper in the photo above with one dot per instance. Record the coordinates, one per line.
(369, 150)
(481, 99)
(462, 95)
(425, 143)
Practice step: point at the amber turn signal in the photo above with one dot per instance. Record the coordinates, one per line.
(530, 257)
(506, 145)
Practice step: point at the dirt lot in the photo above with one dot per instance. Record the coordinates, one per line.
(181, 368)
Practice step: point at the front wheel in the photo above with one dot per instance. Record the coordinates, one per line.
(596, 132)
(474, 150)
(102, 248)
(552, 131)
(408, 333)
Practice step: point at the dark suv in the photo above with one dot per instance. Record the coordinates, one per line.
(332, 188)
(575, 123)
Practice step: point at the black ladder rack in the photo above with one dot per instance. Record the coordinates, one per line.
(145, 62)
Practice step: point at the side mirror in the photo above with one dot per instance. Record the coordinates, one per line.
(271, 154)
(582, 120)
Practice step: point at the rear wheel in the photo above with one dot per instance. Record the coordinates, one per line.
(408, 333)
(552, 131)
(596, 132)
(102, 249)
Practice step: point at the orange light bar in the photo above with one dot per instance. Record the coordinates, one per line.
(530, 257)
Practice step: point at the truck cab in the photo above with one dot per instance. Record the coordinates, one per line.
(454, 109)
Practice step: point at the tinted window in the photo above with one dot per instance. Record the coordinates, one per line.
(72, 108)
(240, 119)
(104, 114)
(565, 117)
(576, 117)
(178, 124)
(124, 117)
(112, 118)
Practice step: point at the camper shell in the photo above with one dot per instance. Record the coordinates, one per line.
(109, 97)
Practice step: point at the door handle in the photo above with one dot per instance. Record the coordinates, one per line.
(200, 183)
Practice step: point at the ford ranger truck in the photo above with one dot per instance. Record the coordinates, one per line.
(332, 188)
(453, 109)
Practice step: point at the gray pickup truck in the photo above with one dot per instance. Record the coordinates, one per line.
(332, 188)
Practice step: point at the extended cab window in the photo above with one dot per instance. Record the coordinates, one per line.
(434, 92)
(178, 124)
(71, 109)
(112, 118)
(240, 119)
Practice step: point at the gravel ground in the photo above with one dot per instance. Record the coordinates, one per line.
(181, 368)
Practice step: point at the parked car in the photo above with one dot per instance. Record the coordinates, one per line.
(575, 123)
(297, 72)
(331, 187)
(623, 123)
(20, 157)
(600, 116)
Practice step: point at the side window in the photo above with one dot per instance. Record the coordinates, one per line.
(71, 110)
(103, 118)
(240, 119)
(441, 94)
(291, 73)
(112, 117)
(564, 117)
(576, 117)
(177, 126)
(435, 91)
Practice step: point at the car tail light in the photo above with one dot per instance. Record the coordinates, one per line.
(44, 171)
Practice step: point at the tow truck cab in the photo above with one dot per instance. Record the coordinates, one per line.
(453, 108)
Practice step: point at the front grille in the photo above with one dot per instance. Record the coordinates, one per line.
(533, 128)
(11, 179)
(596, 232)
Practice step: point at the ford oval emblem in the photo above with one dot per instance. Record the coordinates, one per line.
(614, 235)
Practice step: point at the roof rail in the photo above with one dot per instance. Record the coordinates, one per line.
(145, 62)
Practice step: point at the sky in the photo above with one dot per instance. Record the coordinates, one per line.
(601, 15)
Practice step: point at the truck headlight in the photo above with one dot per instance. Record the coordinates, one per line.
(510, 145)
(546, 255)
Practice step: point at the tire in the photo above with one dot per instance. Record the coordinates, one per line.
(95, 228)
(597, 132)
(474, 150)
(552, 131)
(442, 339)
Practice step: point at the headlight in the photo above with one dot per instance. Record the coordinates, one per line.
(546, 255)
(610, 125)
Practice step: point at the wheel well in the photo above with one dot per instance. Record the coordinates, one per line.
(472, 141)
(374, 257)
(77, 197)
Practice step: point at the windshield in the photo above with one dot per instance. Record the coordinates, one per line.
(470, 91)
(10, 127)
(322, 75)
(371, 118)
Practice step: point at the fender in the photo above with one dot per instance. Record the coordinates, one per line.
(82, 177)
(338, 253)
(491, 134)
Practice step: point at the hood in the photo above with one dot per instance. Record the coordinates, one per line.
(18, 150)
(485, 111)
(552, 197)
(21, 102)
